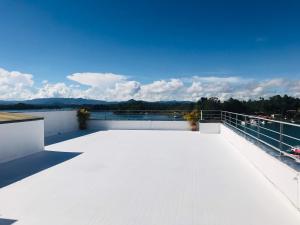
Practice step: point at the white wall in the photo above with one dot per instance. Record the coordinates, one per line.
(58, 122)
(283, 177)
(137, 125)
(20, 139)
(209, 128)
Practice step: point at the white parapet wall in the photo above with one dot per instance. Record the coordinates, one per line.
(19, 139)
(57, 122)
(209, 128)
(283, 177)
(137, 125)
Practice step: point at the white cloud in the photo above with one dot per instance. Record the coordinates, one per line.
(58, 90)
(124, 90)
(160, 90)
(196, 87)
(114, 87)
(215, 79)
(15, 85)
(294, 88)
(103, 80)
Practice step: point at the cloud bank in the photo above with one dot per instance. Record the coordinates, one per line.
(16, 85)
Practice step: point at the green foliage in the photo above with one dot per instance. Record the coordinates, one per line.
(82, 115)
(209, 104)
(274, 105)
(193, 117)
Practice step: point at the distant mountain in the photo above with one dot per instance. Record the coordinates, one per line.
(79, 101)
(164, 101)
(2, 102)
(65, 102)
(57, 101)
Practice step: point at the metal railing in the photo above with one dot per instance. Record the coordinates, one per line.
(147, 115)
(210, 115)
(154, 115)
(278, 135)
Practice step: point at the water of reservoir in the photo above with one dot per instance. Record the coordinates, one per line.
(171, 116)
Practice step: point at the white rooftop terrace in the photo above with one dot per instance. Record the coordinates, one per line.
(140, 178)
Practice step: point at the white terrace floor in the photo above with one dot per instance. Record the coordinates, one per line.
(146, 178)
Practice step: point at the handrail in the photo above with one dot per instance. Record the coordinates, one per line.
(282, 143)
(297, 139)
(259, 118)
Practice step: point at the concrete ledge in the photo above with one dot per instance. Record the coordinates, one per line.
(21, 139)
(6, 117)
(57, 122)
(284, 178)
(137, 125)
(209, 128)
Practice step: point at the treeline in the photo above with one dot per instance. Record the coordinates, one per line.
(23, 106)
(273, 105)
(282, 105)
(132, 105)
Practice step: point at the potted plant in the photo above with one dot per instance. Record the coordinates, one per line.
(193, 118)
(82, 115)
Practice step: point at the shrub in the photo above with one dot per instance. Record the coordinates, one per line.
(193, 118)
(82, 115)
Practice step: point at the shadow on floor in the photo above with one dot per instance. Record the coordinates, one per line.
(67, 136)
(15, 170)
(7, 221)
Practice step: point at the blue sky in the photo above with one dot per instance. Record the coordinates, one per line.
(149, 41)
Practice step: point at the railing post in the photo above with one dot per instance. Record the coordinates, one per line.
(226, 117)
(258, 128)
(201, 115)
(280, 136)
(245, 119)
(236, 120)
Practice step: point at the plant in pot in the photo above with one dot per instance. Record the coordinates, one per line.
(193, 118)
(83, 115)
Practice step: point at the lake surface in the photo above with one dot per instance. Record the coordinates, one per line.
(143, 116)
